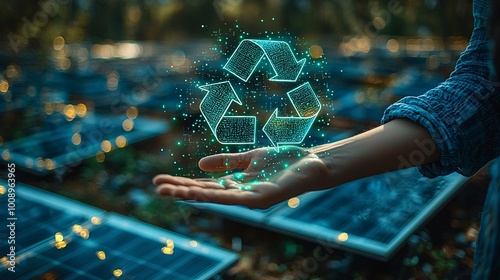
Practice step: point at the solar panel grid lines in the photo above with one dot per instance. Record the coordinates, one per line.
(371, 216)
(388, 222)
(89, 243)
(71, 142)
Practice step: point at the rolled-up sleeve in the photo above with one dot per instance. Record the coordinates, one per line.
(462, 114)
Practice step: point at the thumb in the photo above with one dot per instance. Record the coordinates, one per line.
(220, 162)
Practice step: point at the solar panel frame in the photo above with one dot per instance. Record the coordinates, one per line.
(280, 222)
(38, 258)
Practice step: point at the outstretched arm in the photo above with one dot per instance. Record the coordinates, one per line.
(269, 177)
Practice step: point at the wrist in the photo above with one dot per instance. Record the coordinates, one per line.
(335, 160)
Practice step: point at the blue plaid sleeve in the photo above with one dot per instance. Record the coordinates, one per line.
(462, 114)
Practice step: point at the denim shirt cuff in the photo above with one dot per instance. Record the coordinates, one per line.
(420, 112)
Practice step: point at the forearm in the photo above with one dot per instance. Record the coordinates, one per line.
(396, 145)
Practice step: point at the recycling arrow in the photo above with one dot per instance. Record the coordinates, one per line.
(227, 129)
(241, 129)
(293, 130)
(249, 53)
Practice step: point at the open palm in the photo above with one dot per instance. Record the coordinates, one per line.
(267, 177)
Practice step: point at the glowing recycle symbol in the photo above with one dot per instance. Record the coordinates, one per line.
(241, 129)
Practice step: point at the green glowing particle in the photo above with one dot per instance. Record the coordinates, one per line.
(245, 188)
(239, 176)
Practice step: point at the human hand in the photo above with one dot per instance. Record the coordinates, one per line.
(268, 177)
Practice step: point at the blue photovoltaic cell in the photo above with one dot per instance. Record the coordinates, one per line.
(99, 245)
(376, 214)
(56, 143)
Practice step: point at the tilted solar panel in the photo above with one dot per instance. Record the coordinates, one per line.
(70, 142)
(371, 216)
(57, 238)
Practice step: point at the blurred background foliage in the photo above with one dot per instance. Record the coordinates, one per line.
(33, 24)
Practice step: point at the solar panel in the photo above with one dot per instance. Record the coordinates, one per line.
(57, 238)
(237, 213)
(74, 141)
(371, 216)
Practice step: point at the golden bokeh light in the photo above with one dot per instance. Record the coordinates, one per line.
(81, 110)
(121, 141)
(77, 228)
(128, 125)
(316, 51)
(117, 272)
(364, 45)
(106, 146)
(101, 255)
(64, 63)
(69, 111)
(3, 190)
(76, 139)
(343, 237)
(58, 237)
(49, 164)
(85, 234)
(193, 243)
(58, 43)
(132, 112)
(170, 243)
(95, 220)
(293, 202)
(61, 244)
(167, 250)
(393, 45)
(4, 86)
(100, 157)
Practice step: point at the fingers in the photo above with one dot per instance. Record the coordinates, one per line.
(202, 194)
(182, 181)
(222, 162)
